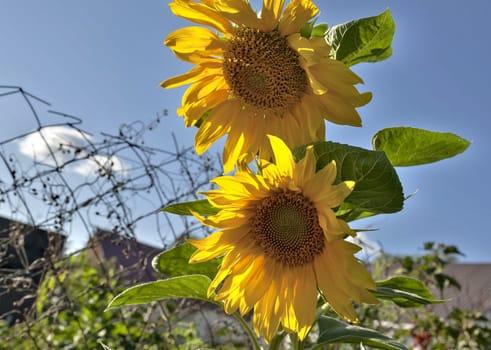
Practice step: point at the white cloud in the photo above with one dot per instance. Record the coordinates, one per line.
(57, 145)
(99, 164)
(48, 144)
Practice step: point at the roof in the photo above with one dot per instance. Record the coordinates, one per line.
(133, 258)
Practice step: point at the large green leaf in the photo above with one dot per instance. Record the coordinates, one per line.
(363, 40)
(405, 292)
(201, 206)
(407, 146)
(190, 286)
(332, 331)
(174, 262)
(377, 190)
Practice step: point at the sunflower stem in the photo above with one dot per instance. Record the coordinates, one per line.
(297, 344)
(276, 341)
(248, 330)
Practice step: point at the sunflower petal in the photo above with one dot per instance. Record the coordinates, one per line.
(296, 14)
(270, 14)
(283, 156)
(201, 13)
(216, 125)
(305, 168)
(239, 12)
(194, 39)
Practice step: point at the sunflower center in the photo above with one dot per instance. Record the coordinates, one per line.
(286, 227)
(264, 71)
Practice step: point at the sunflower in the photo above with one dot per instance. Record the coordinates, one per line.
(259, 76)
(282, 242)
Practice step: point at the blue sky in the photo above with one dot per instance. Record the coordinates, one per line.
(103, 61)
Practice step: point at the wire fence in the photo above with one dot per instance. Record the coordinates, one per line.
(59, 183)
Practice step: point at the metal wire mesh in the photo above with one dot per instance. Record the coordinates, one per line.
(71, 187)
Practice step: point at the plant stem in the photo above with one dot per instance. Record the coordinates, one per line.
(248, 330)
(297, 344)
(276, 341)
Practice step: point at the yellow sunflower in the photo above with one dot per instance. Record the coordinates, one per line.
(259, 76)
(281, 242)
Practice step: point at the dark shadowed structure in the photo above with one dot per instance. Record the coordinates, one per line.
(132, 258)
(26, 252)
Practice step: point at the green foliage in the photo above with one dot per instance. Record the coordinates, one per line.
(174, 262)
(332, 331)
(405, 146)
(377, 190)
(189, 286)
(460, 329)
(70, 315)
(363, 40)
(202, 207)
(430, 267)
(405, 292)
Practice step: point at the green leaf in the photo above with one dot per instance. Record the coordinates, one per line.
(377, 190)
(307, 28)
(405, 292)
(201, 206)
(310, 30)
(175, 262)
(319, 30)
(407, 146)
(332, 330)
(363, 40)
(190, 286)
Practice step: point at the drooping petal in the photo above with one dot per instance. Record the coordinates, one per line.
(216, 125)
(320, 189)
(193, 75)
(311, 50)
(270, 14)
(296, 14)
(333, 227)
(194, 39)
(340, 111)
(337, 194)
(305, 299)
(193, 112)
(212, 246)
(201, 13)
(239, 12)
(332, 289)
(234, 147)
(266, 318)
(342, 253)
(331, 71)
(305, 168)
(200, 90)
(283, 156)
(229, 219)
(254, 286)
